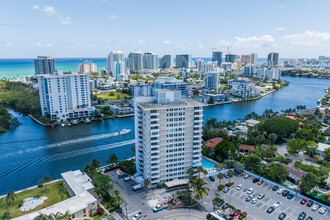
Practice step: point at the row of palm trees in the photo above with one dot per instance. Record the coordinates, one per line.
(56, 216)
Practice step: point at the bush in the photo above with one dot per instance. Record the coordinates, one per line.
(20, 203)
(160, 186)
(100, 211)
(40, 185)
(229, 184)
(221, 187)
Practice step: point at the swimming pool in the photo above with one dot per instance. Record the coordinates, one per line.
(207, 163)
(289, 184)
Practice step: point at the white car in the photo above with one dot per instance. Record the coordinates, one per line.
(239, 187)
(315, 207)
(137, 216)
(254, 201)
(218, 212)
(277, 204)
(322, 210)
(250, 191)
(280, 191)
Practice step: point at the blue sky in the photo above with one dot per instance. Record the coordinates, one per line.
(91, 28)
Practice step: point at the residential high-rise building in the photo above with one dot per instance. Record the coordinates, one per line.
(231, 58)
(135, 62)
(183, 60)
(167, 61)
(118, 70)
(243, 87)
(273, 56)
(198, 63)
(171, 84)
(142, 89)
(208, 66)
(87, 67)
(150, 61)
(65, 96)
(253, 58)
(212, 81)
(168, 135)
(217, 56)
(245, 59)
(113, 57)
(44, 65)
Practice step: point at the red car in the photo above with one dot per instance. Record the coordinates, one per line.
(303, 201)
(236, 213)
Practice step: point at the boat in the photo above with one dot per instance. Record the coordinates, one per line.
(75, 122)
(62, 125)
(87, 120)
(68, 124)
(125, 131)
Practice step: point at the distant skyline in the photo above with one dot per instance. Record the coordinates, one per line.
(92, 28)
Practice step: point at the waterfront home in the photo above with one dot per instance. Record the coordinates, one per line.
(213, 142)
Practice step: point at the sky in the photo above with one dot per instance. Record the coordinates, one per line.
(92, 28)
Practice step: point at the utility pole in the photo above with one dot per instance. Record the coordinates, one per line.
(126, 210)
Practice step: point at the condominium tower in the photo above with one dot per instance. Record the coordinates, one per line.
(253, 58)
(44, 65)
(217, 56)
(274, 57)
(168, 135)
(183, 60)
(212, 81)
(135, 62)
(171, 84)
(113, 57)
(167, 61)
(245, 58)
(87, 67)
(150, 61)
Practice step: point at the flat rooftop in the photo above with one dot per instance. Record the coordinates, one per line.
(77, 181)
(185, 102)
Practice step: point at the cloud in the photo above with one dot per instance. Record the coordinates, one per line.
(35, 7)
(114, 17)
(167, 42)
(280, 28)
(141, 41)
(262, 41)
(51, 11)
(39, 44)
(309, 38)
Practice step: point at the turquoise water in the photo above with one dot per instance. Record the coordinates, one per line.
(207, 163)
(289, 184)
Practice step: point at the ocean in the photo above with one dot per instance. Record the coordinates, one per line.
(23, 67)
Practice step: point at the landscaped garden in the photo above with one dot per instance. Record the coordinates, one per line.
(112, 95)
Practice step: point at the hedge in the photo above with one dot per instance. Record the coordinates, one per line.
(221, 187)
(229, 184)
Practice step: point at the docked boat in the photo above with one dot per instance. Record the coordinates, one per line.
(62, 125)
(68, 124)
(87, 120)
(75, 122)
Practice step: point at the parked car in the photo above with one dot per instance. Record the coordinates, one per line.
(226, 189)
(236, 213)
(137, 216)
(158, 208)
(309, 218)
(137, 187)
(303, 201)
(254, 200)
(290, 196)
(219, 204)
(225, 206)
(277, 204)
(280, 191)
(126, 179)
(250, 191)
(249, 198)
(322, 210)
(211, 178)
(239, 187)
(275, 188)
(282, 216)
(247, 176)
(260, 182)
(302, 216)
(270, 209)
(225, 175)
(255, 180)
(315, 207)
(122, 175)
(309, 203)
(261, 196)
(285, 193)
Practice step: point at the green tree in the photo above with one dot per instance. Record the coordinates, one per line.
(41, 217)
(200, 170)
(238, 167)
(119, 199)
(232, 208)
(310, 148)
(309, 181)
(253, 163)
(147, 182)
(230, 174)
(111, 94)
(113, 159)
(277, 172)
(11, 196)
(198, 186)
(5, 216)
(61, 190)
(327, 154)
(224, 149)
(95, 163)
(46, 179)
(295, 146)
(190, 172)
(210, 101)
(220, 176)
(282, 127)
(272, 137)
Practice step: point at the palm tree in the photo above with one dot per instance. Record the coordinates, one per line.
(220, 177)
(41, 217)
(190, 172)
(46, 179)
(113, 159)
(200, 170)
(119, 199)
(230, 174)
(219, 166)
(5, 216)
(95, 163)
(11, 196)
(61, 191)
(198, 186)
(147, 182)
(232, 208)
(61, 216)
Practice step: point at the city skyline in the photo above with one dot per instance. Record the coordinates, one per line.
(55, 29)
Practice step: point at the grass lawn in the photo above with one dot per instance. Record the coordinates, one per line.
(100, 216)
(52, 194)
(115, 95)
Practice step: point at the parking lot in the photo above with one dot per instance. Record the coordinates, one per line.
(258, 211)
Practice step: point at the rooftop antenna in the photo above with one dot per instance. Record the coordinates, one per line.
(228, 49)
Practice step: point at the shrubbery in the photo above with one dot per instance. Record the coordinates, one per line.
(229, 184)
(221, 187)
